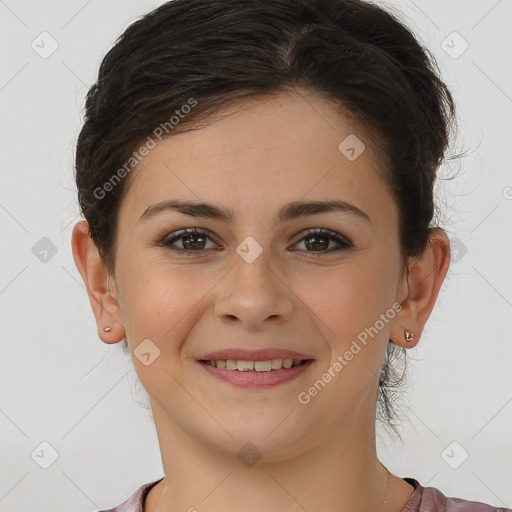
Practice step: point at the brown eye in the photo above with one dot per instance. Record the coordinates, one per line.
(195, 241)
(317, 241)
(192, 241)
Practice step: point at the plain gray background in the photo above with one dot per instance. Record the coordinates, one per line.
(61, 385)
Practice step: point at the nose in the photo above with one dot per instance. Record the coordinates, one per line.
(253, 294)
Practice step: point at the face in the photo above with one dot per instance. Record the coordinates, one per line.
(266, 278)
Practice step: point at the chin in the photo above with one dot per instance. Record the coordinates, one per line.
(270, 435)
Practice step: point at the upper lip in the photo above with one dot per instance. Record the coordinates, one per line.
(243, 354)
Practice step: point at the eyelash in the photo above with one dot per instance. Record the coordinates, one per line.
(330, 235)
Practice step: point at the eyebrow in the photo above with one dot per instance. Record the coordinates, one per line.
(288, 212)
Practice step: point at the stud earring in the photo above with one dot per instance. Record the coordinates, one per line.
(409, 335)
(107, 328)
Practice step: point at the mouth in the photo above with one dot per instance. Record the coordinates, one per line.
(268, 365)
(256, 375)
(256, 368)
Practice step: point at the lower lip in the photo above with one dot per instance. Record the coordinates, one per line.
(257, 379)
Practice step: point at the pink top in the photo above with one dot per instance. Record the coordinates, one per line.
(423, 499)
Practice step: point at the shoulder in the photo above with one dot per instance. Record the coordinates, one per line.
(135, 503)
(431, 499)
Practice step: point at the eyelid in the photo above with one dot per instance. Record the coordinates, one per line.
(177, 235)
(343, 243)
(324, 232)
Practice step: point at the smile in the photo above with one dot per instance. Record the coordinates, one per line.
(257, 366)
(256, 374)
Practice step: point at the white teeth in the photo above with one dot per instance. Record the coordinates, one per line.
(231, 364)
(277, 364)
(245, 365)
(259, 366)
(263, 366)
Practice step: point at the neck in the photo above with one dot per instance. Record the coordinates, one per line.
(340, 473)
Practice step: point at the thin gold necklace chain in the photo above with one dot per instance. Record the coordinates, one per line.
(387, 486)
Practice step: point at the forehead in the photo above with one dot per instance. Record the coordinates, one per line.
(260, 153)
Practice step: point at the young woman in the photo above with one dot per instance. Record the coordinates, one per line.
(257, 179)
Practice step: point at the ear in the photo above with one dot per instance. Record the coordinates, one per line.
(419, 290)
(103, 300)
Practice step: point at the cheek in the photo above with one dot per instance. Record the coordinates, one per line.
(160, 301)
(349, 295)
(349, 301)
(162, 305)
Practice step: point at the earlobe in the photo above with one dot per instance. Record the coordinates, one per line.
(425, 277)
(103, 301)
